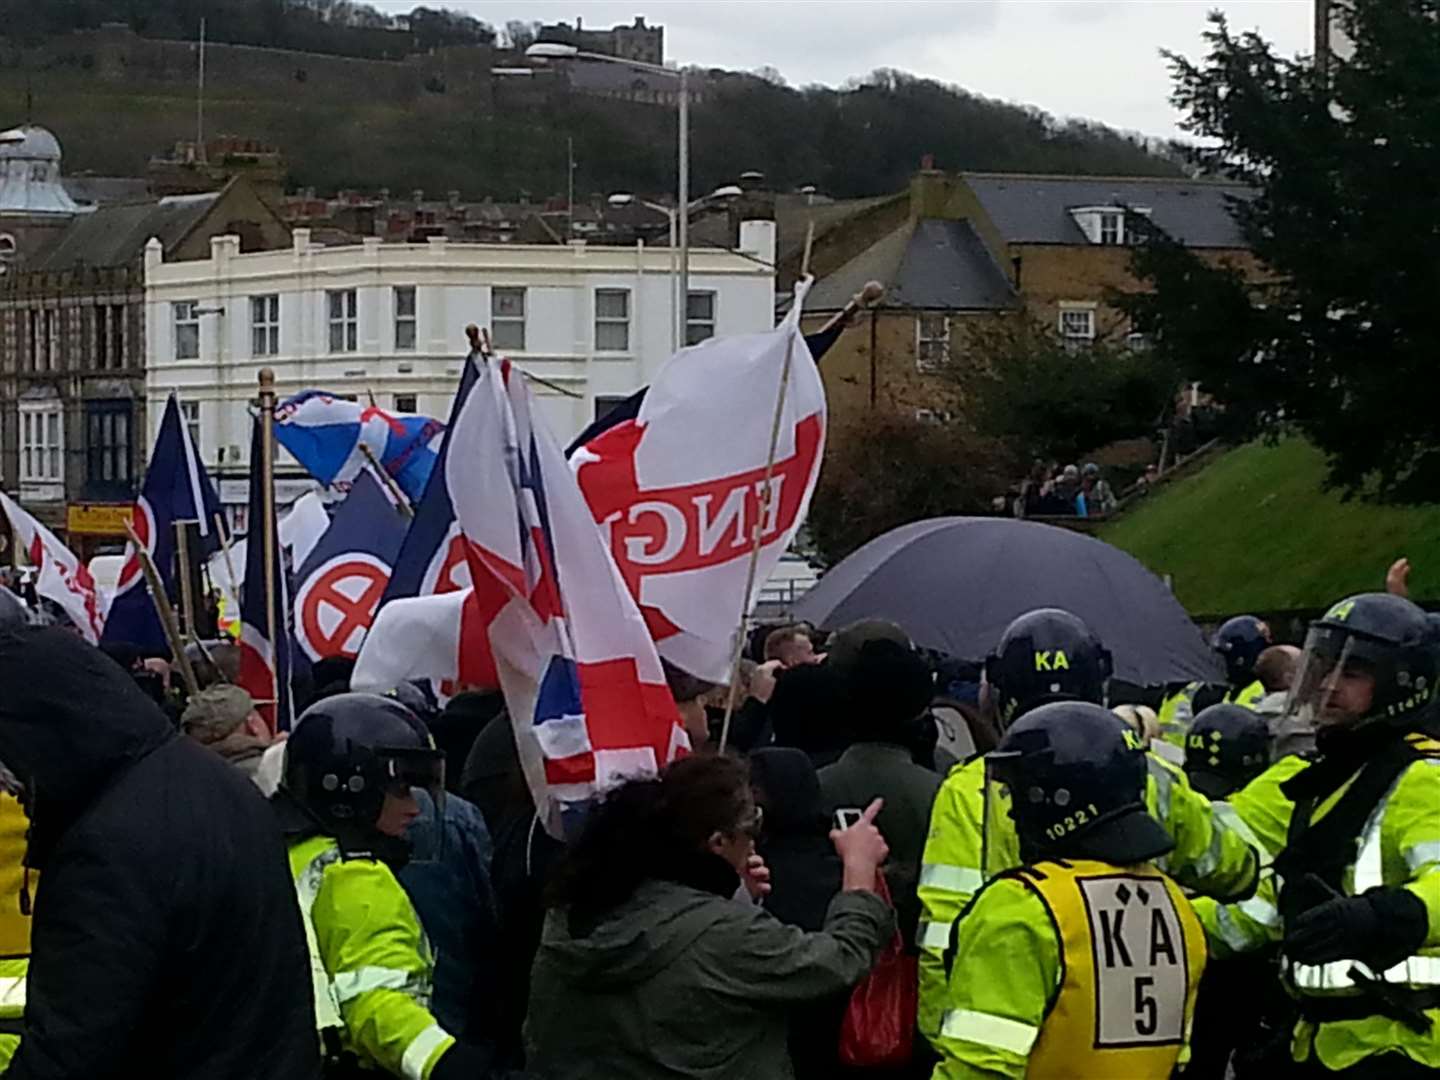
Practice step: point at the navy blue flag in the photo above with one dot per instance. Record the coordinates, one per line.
(176, 488)
(338, 587)
(432, 557)
(265, 665)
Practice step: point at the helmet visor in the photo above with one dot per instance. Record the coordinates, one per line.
(413, 768)
(1334, 686)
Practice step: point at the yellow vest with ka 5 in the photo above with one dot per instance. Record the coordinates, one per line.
(1132, 952)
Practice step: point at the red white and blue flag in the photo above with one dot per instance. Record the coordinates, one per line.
(339, 585)
(581, 677)
(176, 488)
(265, 662)
(325, 432)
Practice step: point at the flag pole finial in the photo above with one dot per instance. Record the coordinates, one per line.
(267, 378)
(473, 333)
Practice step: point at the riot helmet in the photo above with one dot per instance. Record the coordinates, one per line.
(1240, 641)
(346, 754)
(1077, 775)
(1045, 655)
(1226, 747)
(1370, 660)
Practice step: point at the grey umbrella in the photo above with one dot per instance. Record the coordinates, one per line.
(955, 583)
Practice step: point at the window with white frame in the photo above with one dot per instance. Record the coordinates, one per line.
(1112, 227)
(343, 306)
(187, 329)
(42, 431)
(612, 320)
(507, 319)
(190, 414)
(699, 317)
(1077, 323)
(265, 325)
(932, 341)
(108, 463)
(404, 318)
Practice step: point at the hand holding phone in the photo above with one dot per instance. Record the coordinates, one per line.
(848, 816)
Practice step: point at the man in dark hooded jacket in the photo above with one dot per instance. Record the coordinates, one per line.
(167, 939)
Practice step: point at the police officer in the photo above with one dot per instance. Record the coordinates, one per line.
(1356, 838)
(1044, 656)
(1084, 962)
(1239, 642)
(345, 801)
(1227, 747)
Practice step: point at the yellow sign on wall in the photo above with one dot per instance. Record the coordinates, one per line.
(98, 519)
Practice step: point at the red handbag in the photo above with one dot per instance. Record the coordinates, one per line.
(879, 1026)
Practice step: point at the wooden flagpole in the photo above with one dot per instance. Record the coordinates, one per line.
(383, 475)
(269, 539)
(164, 610)
(762, 511)
(187, 595)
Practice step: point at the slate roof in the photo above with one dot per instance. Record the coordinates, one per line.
(115, 234)
(930, 263)
(1036, 209)
(105, 189)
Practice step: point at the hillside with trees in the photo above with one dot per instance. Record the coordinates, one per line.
(355, 98)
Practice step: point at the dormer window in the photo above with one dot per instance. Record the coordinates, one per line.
(1106, 224)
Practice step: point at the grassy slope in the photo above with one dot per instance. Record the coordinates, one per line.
(1254, 530)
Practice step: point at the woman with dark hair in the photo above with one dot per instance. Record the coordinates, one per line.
(651, 967)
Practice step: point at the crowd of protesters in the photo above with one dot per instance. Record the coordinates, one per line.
(1072, 491)
(720, 919)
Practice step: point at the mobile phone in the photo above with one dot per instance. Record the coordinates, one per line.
(847, 816)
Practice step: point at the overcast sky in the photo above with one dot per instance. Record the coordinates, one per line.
(1097, 59)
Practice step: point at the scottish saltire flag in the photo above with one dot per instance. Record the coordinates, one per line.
(176, 488)
(324, 433)
(265, 664)
(678, 484)
(582, 681)
(63, 578)
(338, 587)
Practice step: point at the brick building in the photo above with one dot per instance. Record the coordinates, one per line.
(969, 246)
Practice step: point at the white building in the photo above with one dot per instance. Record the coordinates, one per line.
(389, 320)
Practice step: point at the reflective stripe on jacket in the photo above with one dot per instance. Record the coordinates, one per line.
(1399, 846)
(1070, 970)
(370, 959)
(969, 843)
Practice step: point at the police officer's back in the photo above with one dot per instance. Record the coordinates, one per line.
(1084, 961)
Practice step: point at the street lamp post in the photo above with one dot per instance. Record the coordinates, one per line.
(674, 217)
(559, 50)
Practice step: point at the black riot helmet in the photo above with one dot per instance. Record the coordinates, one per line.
(346, 753)
(1077, 775)
(1226, 747)
(1240, 641)
(1384, 637)
(1046, 655)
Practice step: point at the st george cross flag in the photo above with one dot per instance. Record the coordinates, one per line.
(63, 578)
(265, 664)
(582, 681)
(678, 489)
(325, 432)
(338, 587)
(176, 488)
